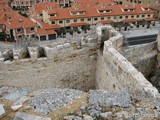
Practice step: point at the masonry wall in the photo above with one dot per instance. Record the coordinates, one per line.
(142, 57)
(116, 73)
(69, 68)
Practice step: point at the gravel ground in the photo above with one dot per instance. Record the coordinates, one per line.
(51, 99)
(106, 98)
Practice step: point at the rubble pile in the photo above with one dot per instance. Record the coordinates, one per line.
(51, 99)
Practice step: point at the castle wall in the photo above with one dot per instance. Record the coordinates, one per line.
(142, 57)
(116, 73)
(158, 50)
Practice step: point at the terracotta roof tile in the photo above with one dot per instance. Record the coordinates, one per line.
(78, 24)
(106, 22)
(129, 20)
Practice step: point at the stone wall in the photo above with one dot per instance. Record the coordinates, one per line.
(142, 57)
(116, 73)
(79, 65)
(67, 68)
(158, 50)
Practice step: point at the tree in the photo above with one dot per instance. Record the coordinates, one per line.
(3, 36)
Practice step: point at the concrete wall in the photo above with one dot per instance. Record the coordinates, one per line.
(116, 73)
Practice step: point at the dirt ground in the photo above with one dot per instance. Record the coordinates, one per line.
(55, 115)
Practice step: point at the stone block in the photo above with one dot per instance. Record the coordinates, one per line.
(34, 53)
(2, 59)
(59, 47)
(66, 45)
(25, 116)
(2, 111)
(106, 115)
(0, 54)
(8, 62)
(16, 52)
(16, 107)
(50, 52)
(15, 95)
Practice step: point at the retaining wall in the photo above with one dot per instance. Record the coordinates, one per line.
(116, 73)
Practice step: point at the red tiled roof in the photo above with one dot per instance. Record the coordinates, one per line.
(47, 26)
(78, 24)
(42, 32)
(91, 11)
(149, 19)
(106, 21)
(129, 20)
(14, 20)
(4, 1)
(43, 6)
(45, 32)
(51, 32)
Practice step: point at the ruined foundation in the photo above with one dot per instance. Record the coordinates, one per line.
(83, 65)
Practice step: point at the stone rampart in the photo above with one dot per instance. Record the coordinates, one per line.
(116, 73)
(142, 57)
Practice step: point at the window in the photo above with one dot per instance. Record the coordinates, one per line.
(82, 20)
(60, 22)
(53, 14)
(126, 16)
(121, 17)
(53, 22)
(67, 21)
(95, 19)
(32, 28)
(19, 30)
(77, 13)
(137, 16)
(102, 18)
(149, 15)
(109, 18)
(75, 20)
(132, 16)
(143, 15)
(104, 11)
(89, 19)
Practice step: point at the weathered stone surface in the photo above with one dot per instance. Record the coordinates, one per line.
(59, 47)
(2, 59)
(107, 98)
(34, 52)
(119, 116)
(15, 95)
(106, 115)
(4, 90)
(72, 117)
(25, 116)
(8, 55)
(87, 117)
(8, 62)
(16, 107)
(50, 52)
(66, 45)
(1, 54)
(51, 99)
(2, 111)
(94, 110)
